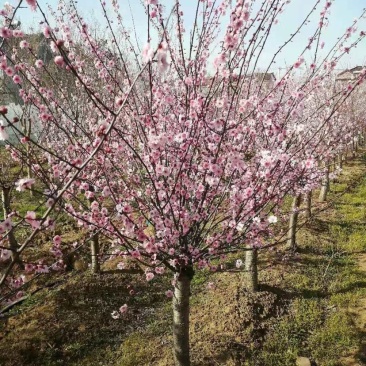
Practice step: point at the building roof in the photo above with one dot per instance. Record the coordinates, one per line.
(259, 76)
(350, 74)
(267, 76)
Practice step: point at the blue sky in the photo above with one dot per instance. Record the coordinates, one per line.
(343, 12)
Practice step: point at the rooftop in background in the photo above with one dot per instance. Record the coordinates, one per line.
(349, 74)
(267, 77)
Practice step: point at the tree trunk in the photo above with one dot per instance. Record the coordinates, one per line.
(325, 185)
(29, 176)
(340, 161)
(294, 218)
(5, 197)
(251, 268)
(29, 161)
(94, 247)
(181, 317)
(13, 244)
(308, 197)
(354, 148)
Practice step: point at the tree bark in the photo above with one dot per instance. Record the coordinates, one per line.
(325, 185)
(29, 176)
(251, 268)
(94, 248)
(340, 161)
(294, 218)
(308, 198)
(94, 245)
(29, 161)
(5, 197)
(13, 244)
(181, 317)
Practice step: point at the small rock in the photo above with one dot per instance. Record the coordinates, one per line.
(303, 361)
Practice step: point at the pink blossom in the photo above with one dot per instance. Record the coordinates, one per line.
(50, 202)
(147, 53)
(59, 61)
(3, 134)
(119, 101)
(53, 46)
(18, 33)
(20, 294)
(135, 254)
(4, 254)
(84, 186)
(24, 44)
(238, 24)
(39, 63)
(106, 192)
(7, 224)
(94, 206)
(5, 32)
(42, 268)
(149, 276)
(162, 57)
(47, 31)
(28, 267)
(123, 309)
(220, 103)
(17, 79)
(169, 293)
(9, 71)
(57, 240)
(159, 270)
(24, 183)
(30, 218)
(32, 4)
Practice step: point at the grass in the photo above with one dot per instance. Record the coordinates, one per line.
(309, 305)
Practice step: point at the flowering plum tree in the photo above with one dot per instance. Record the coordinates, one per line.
(322, 147)
(178, 153)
